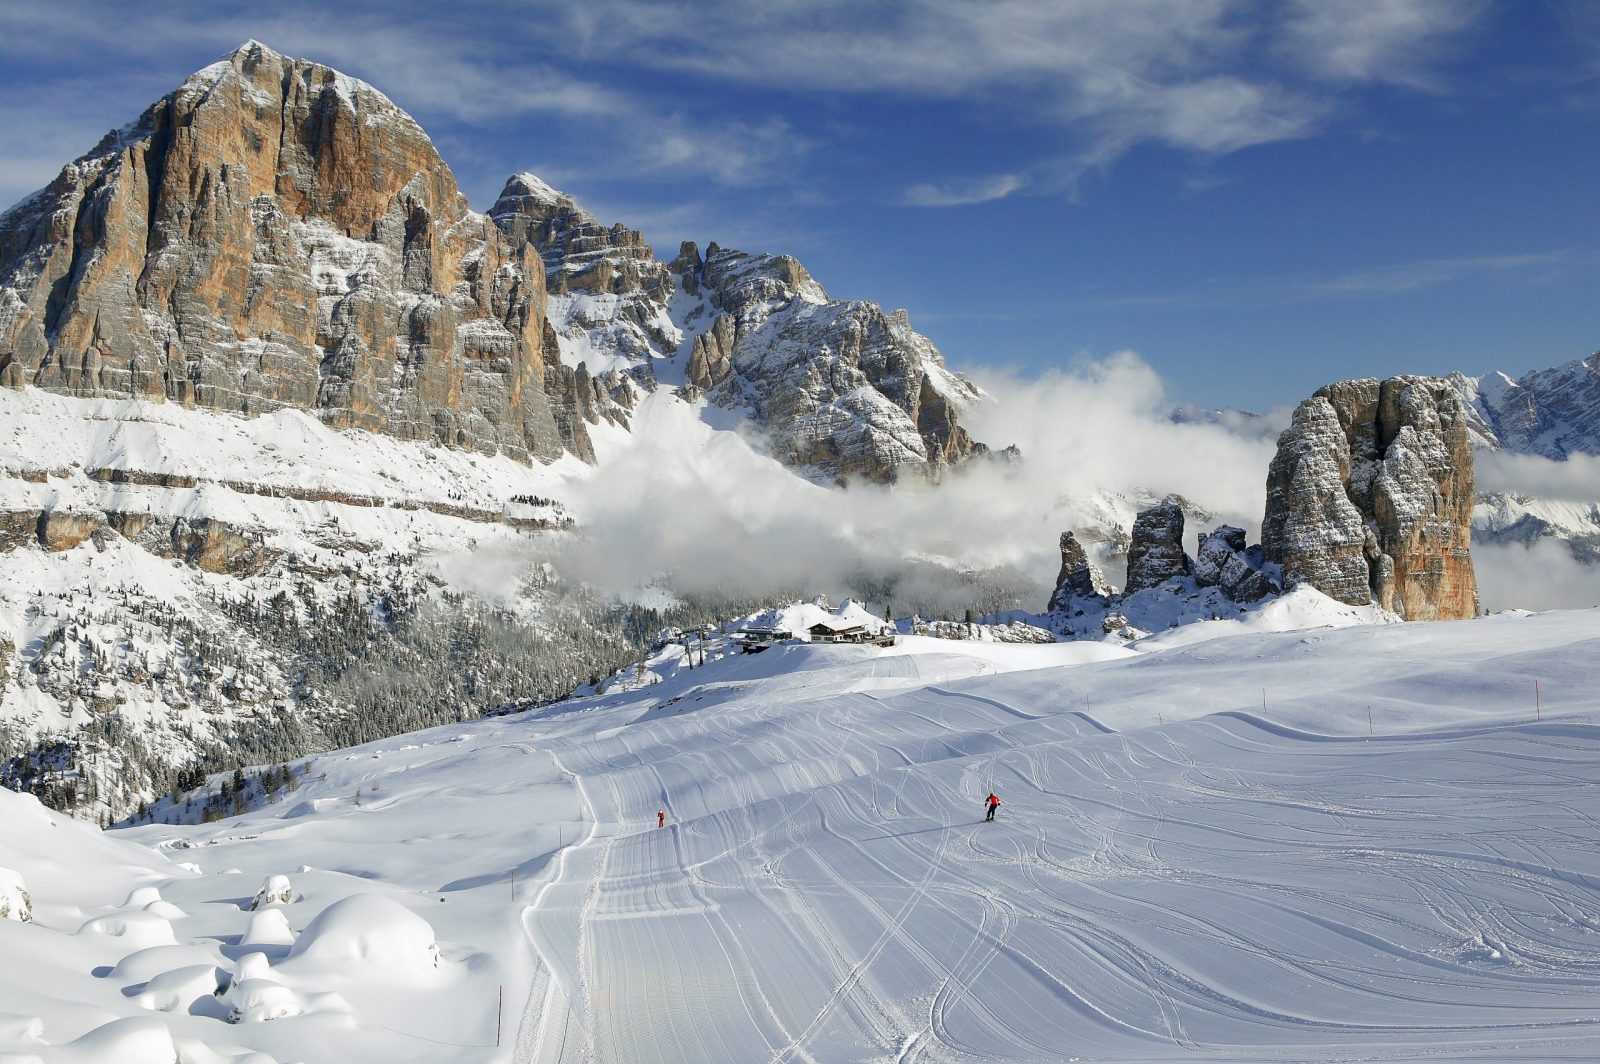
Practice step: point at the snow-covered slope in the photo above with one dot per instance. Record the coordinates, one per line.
(1502, 517)
(1355, 843)
(183, 586)
(1549, 412)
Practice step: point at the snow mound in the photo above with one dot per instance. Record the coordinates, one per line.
(138, 930)
(14, 1028)
(14, 901)
(147, 964)
(179, 989)
(166, 910)
(132, 1040)
(256, 995)
(252, 966)
(370, 933)
(142, 897)
(275, 890)
(269, 927)
(261, 1001)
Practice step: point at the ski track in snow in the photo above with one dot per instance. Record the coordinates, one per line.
(1230, 887)
(1224, 886)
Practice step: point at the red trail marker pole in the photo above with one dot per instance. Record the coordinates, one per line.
(499, 1011)
(1369, 720)
(1538, 714)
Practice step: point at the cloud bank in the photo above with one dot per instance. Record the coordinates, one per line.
(1539, 576)
(709, 512)
(1575, 480)
(1542, 574)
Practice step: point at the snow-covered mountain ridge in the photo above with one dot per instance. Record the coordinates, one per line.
(1548, 413)
(1552, 412)
(841, 389)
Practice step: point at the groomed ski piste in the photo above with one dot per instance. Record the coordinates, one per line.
(1209, 847)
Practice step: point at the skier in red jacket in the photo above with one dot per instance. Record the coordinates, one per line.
(994, 803)
(661, 818)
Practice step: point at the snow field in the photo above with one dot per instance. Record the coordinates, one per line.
(1173, 874)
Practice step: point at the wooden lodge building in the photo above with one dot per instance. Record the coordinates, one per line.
(823, 632)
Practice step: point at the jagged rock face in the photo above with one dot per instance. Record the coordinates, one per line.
(711, 359)
(1079, 576)
(276, 234)
(1155, 554)
(1369, 498)
(583, 258)
(1224, 561)
(1549, 412)
(843, 389)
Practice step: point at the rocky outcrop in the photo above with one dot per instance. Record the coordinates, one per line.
(843, 389)
(711, 358)
(1165, 586)
(608, 292)
(1008, 632)
(15, 904)
(204, 542)
(1079, 576)
(65, 529)
(276, 234)
(1224, 561)
(1155, 554)
(1369, 498)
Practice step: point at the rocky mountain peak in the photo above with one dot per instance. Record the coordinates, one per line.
(579, 252)
(276, 234)
(1079, 576)
(1369, 498)
(1553, 413)
(751, 286)
(1155, 554)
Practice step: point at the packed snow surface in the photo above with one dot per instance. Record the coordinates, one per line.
(1367, 842)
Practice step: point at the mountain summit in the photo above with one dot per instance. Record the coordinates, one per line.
(271, 234)
(276, 234)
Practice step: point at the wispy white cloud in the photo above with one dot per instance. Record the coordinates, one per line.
(1431, 273)
(1394, 279)
(1577, 479)
(1399, 42)
(1203, 76)
(1542, 575)
(965, 191)
(432, 64)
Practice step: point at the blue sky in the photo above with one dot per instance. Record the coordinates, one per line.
(1256, 197)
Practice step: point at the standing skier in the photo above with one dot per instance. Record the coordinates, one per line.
(993, 803)
(661, 818)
